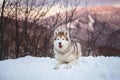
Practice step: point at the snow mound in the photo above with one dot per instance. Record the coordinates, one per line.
(36, 68)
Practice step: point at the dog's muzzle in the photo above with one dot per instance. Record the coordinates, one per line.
(60, 45)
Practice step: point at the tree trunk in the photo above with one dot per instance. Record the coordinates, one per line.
(17, 32)
(1, 30)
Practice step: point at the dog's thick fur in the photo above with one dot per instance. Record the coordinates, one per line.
(65, 50)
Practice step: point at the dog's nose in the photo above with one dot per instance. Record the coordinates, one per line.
(59, 43)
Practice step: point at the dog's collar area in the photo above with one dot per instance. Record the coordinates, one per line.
(59, 51)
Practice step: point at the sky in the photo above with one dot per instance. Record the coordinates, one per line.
(82, 2)
(104, 2)
(96, 2)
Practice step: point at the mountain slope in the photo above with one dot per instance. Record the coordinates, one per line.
(107, 22)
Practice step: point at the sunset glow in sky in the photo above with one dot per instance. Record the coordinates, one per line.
(104, 2)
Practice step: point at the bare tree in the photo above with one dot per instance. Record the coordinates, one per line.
(2, 29)
(17, 40)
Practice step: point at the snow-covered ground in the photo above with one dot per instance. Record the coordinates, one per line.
(36, 68)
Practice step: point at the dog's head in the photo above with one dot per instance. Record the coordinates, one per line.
(61, 39)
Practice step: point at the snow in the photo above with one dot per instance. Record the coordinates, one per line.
(42, 68)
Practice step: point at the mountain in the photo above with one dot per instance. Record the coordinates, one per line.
(105, 26)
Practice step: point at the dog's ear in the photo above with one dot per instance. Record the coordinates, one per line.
(66, 32)
(56, 33)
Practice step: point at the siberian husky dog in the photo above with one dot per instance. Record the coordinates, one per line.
(66, 51)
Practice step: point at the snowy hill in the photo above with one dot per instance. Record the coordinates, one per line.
(87, 68)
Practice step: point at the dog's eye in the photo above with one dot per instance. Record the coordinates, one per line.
(62, 39)
(58, 39)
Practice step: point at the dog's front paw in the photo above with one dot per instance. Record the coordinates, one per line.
(56, 67)
(68, 66)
